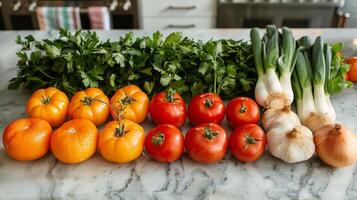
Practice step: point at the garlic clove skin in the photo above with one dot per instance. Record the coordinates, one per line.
(275, 116)
(291, 145)
(336, 145)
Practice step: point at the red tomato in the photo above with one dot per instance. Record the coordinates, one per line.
(168, 108)
(165, 143)
(206, 143)
(352, 73)
(206, 108)
(247, 143)
(241, 111)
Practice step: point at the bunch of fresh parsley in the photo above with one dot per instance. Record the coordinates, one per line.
(75, 61)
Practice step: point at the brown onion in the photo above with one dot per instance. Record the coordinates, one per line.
(336, 145)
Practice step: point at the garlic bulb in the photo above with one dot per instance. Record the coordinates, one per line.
(291, 145)
(336, 145)
(274, 116)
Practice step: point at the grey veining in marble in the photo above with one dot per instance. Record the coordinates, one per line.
(268, 178)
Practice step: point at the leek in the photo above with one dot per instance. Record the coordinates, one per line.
(261, 92)
(317, 74)
(275, 55)
(287, 62)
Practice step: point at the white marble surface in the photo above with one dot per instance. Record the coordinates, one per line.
(268, 178)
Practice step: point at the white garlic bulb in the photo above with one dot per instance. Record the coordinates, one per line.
(272, 117)
(291, 145)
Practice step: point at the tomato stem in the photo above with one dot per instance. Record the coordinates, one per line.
(119, 113)
(209, 133)
(208, 103)
(87, 100)
(120, 131)
(243, 109)
(127, 100)
(158, 139)
(249, 139)
(46, 100)
(170, 95)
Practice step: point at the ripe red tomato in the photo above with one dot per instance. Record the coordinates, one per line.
(165, 143)
(168, 108)
(206, 108)
(206, 143)
(241, 111)
(247, 143)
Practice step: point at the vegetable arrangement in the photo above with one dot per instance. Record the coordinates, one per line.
(123, 139)
(317, 71)
(168, 70)
(75, 61)
(287, 139)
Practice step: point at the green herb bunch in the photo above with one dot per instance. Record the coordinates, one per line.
(75, 61)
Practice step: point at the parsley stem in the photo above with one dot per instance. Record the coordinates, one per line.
(44, 73)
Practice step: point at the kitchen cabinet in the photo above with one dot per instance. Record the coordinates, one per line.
(177, 14)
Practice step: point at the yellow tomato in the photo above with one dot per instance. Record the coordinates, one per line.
(49, 104)
(75, 141)
(121, 144)
(91, 104)
(134, 101)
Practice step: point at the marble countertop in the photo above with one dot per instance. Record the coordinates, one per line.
(267, 178)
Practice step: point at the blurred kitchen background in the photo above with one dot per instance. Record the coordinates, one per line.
(175, 14)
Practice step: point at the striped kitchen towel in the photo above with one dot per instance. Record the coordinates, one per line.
(99, 18)
(52, 18)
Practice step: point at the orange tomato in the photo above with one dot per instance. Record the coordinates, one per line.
(352, 73)
(121, 144)
(91, 104)
(136, 103)
(49, 104)
(27, 139)
(75, 141)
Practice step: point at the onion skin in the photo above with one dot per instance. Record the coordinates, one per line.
(336, 145)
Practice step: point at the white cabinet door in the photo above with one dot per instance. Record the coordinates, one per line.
(178, 23)
(178, 7)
